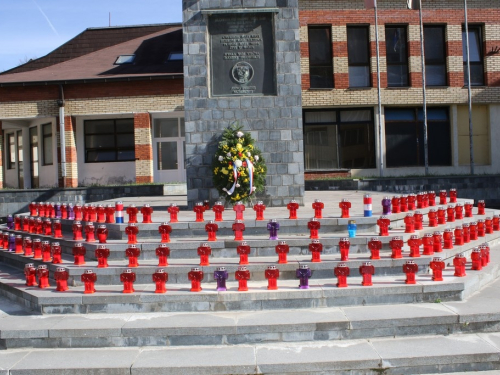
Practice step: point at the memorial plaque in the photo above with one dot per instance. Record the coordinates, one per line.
(242, 54)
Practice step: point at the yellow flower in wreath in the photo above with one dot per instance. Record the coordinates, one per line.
(239, 147)
(224, 170)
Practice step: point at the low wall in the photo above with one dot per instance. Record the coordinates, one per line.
(16, 201)
(474, 187)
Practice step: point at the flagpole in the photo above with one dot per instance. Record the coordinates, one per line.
(379, 94)
(424, 93)
(469, 94)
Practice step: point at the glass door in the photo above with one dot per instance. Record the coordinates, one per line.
(168, 150)
(34, 172)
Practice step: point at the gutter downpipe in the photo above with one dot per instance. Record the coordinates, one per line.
(62, 134)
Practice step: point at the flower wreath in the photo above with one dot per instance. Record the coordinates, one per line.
(238, 167)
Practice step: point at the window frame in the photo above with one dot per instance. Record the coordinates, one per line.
(11, 150)
(479, 29)
(403, 64)
(44, 139)
(368, 51)
(313, 65)
(440, 62)
(115, 135)
(341, 126)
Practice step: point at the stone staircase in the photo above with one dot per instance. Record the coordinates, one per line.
(389, 328)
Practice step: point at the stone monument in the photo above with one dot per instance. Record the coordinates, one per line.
(242, 64)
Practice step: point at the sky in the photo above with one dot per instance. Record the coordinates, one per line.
(33, 28)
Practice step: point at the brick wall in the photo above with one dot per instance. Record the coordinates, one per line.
(143, 148)
(71, 179)
(340, 13)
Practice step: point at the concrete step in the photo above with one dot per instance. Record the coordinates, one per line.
(260, 244)
(322, 293)
(413, 355)
(480, 313)
(178, 268)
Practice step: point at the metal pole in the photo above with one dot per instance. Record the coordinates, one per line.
(424, 93)
(469, 94)
(381, 153)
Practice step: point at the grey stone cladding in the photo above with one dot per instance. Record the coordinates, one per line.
(275, 122)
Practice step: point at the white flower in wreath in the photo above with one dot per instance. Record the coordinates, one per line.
(256, 157)
(249, 154)
(240, 134)
(228, 154)
(238, 163)
(238, 185)
(221, 158)
(253, 188)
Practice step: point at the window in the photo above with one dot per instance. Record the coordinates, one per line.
(435, 56)
(358, 49)
(320, 57)
(47, 144)
(11, 151)
(397, 56)
(404, 137)
(125, 59)
(476, 56)
(109, 140)
(336, 139)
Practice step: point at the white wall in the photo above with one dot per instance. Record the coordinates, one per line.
(101, 173)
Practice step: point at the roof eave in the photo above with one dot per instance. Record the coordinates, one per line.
(92, 80)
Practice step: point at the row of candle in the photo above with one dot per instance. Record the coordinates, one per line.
(480, 257)
(111, 214)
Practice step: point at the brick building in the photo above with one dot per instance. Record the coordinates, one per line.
(125, 122)
(119, 92)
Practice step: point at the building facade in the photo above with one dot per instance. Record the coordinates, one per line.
(126, 122)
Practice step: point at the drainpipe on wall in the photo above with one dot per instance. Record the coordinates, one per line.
(62, 134)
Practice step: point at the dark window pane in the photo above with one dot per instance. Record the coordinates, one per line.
(401, 144)
(11, 152)
(357, 45)
(125, 140)
(97, 156)
(166, 127)
(395, 114)
(356, 115)
(125, 126)
(359, 76)
(435, 75)
(435, 56)
(320, 51)
(357, 148)
(397, 75)
(312, 117)
(474, 45)
(100, 141)
(320, 57)
(167, 155)
(433, 44)
(47, 151)
(99, 126)
(127, 155)
(321, 77)
(320, 147)
(396, 50)
(405, 137)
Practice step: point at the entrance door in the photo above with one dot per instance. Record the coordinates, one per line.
(34, 158)
(20, 163)
(168, 150)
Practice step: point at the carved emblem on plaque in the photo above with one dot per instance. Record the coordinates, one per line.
(242, 72)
